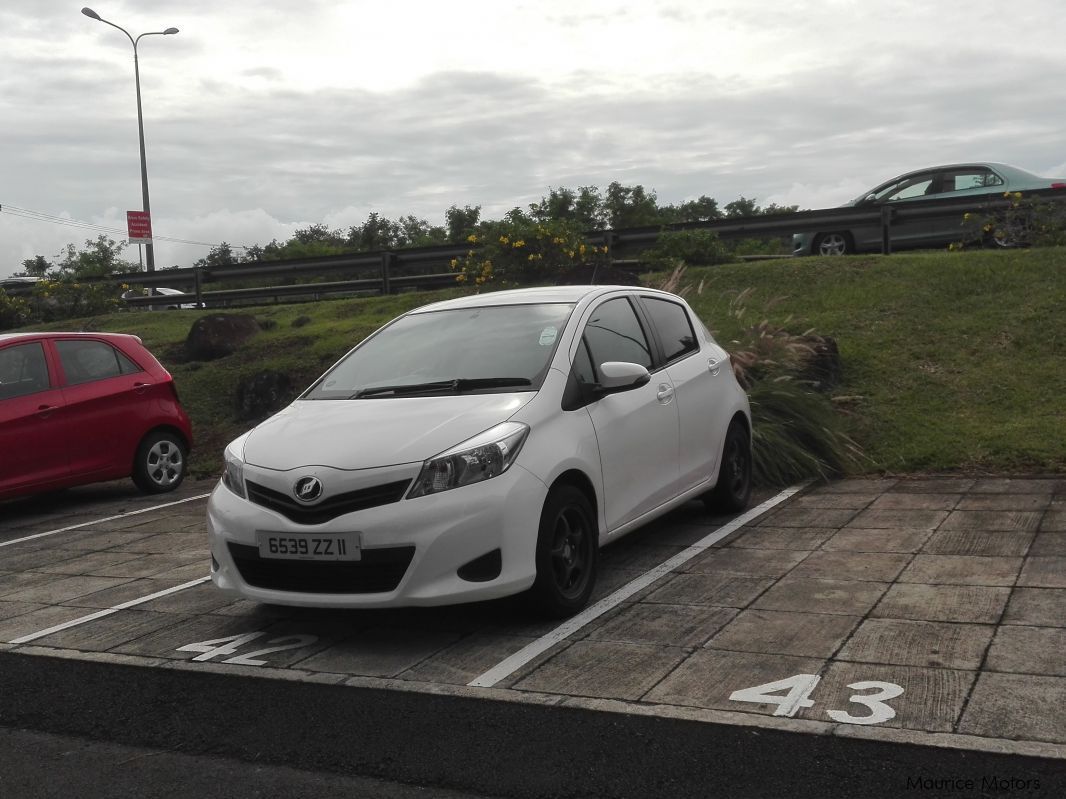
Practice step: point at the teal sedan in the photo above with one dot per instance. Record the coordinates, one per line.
(939, 182)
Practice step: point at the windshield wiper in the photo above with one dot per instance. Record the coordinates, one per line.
(456, 386)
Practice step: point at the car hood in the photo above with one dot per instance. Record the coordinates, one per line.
(368, 433)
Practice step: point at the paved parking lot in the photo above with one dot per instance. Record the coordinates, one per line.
(931, 610)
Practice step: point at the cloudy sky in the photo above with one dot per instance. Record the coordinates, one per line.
(263, 117)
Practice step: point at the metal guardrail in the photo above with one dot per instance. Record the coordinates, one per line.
(421, 268)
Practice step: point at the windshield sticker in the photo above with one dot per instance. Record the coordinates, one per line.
(548, 336)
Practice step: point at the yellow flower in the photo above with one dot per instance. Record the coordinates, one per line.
(472, 238)
(581, 249)
(460, 278)
(454, 263)
(504, 240)
(1017, 195)
(519, 243)
(966, 217)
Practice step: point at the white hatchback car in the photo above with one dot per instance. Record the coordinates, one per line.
(482, 447)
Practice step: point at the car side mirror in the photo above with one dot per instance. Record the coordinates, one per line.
(616, 376)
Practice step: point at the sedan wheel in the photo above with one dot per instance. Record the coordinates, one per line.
(160, 464)
(733, 489)
(567, 550)
(832, 244)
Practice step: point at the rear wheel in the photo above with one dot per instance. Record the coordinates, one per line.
(733, 489)
(837, 243)
(567, 551)
(160, 463)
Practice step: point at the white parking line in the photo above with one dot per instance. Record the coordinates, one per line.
(99, 521)
(101, 613)
(524, 655)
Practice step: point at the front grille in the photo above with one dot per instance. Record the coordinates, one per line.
(329, 508)
(379, 571)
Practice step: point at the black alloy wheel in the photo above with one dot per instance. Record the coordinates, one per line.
(733, 489)
(567, 551)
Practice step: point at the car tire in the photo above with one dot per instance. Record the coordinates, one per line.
(733, 490)
(836, 243)
(567, 553)
(160, 463)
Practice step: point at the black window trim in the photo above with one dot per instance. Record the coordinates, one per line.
(118, 351)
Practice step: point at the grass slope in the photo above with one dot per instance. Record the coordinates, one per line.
(952, 361)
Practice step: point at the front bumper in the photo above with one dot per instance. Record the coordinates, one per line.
(446, 531)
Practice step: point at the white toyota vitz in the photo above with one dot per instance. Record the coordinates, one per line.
(482, 447)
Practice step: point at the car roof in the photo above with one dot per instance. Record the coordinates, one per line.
(530, 296)
(6, 337)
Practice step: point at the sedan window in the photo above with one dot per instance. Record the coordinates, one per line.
(613, 333)
(914, 186)
(975, 178)
(23, 370)
(86, 361)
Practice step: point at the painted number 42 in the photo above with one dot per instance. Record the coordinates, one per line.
(228, 646)
(801, 686)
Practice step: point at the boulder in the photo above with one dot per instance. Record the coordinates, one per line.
(218, 335)
(822, 367)
(263, 393)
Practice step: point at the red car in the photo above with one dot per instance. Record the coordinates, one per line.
(79, 408)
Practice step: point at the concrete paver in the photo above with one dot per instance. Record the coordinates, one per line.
(604, 669)
(1048, 544)
(845, 597)
(962, 570)
(978, 542)
(856, 539)
(919, 643)
(1037, 606)
(876, 566)
(652, 623)
(977, 604)
(817, 635)
(1029, 650)
(1017, 706)
(1044, 572)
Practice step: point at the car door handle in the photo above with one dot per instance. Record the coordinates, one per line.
(140, 388)
(715, 365)
(665, 393)
(44, 411)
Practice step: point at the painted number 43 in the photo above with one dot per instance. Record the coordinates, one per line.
(799, 688)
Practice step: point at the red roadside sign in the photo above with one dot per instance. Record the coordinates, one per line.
(139, 227)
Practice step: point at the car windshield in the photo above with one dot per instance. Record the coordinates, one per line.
(463, 350)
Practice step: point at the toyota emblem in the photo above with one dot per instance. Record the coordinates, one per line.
(307, 489)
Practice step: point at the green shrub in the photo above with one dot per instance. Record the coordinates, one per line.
(14, 311)
(689, 247)
(1024, 221)
(521, 251)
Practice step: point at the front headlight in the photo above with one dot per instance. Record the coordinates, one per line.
(480, 458)
(233, 474)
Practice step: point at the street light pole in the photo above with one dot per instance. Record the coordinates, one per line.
(149, 248)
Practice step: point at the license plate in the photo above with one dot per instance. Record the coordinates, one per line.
(323, 546)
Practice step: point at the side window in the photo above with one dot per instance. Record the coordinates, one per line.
(613, 333)
(975, 178)
(23, 370)
(674, 327)
(86, 361)
(914, 186)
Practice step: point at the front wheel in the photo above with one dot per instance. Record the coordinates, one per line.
(567, 551)
(733, 489)
(837, 243)
(160, 463)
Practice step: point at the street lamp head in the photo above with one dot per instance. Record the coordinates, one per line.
(90, 13)
(169, 31)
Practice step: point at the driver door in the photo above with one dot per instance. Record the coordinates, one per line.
(637, 430)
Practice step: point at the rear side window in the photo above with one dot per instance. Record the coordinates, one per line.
(613, 333)
(87, 361)
(23, 370)
(675, 329)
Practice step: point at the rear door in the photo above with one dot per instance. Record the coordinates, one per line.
(108, 404)
(33, 446)
(699, 379)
